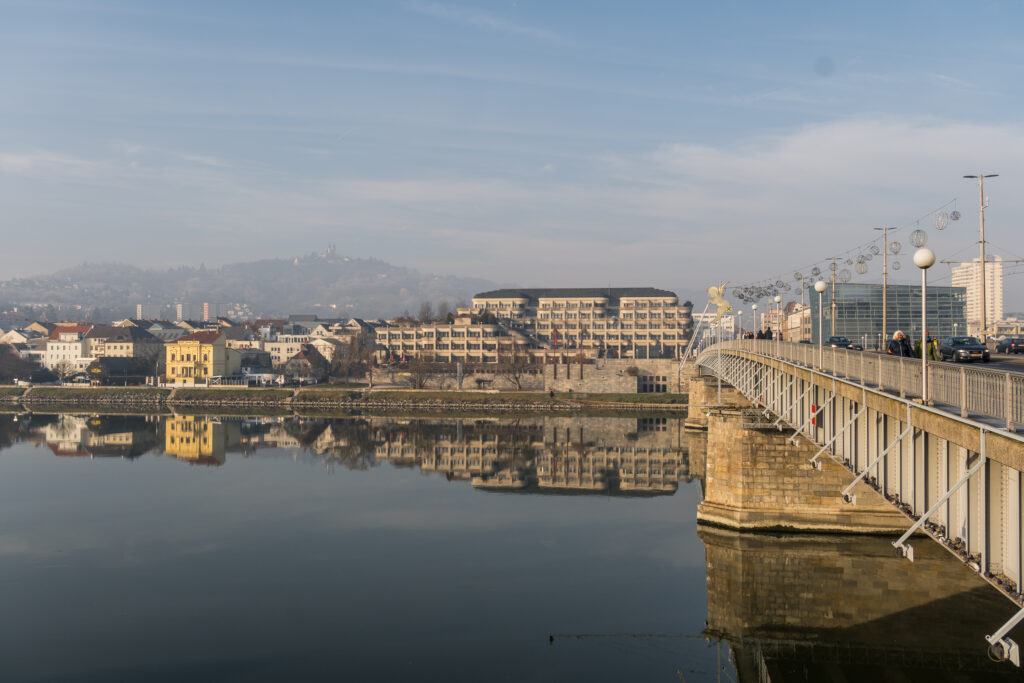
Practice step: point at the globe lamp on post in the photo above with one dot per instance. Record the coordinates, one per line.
(753, 322)
(820, 288)
(924, 258)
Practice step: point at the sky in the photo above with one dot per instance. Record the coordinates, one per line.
(667, 144)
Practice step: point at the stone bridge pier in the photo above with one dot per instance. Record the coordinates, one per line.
(757, 479)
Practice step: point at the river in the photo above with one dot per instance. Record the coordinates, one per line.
(170, 548)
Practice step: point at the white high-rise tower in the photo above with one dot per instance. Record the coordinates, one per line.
(969, 275)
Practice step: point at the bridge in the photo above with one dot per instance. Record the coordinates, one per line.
(862, 442)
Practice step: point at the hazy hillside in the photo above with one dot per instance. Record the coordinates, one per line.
(326, 284)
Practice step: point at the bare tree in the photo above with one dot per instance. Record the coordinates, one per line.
(426, 312)
(443, 309)
(419, 372)
(13, 366)
(64, 370)
(515, 367)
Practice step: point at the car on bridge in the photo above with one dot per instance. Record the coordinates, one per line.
(964, 349)
(838, 342)
(1011, 345)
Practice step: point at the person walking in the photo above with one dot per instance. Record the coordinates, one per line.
(899, 346)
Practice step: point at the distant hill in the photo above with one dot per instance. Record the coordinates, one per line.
(327, 284)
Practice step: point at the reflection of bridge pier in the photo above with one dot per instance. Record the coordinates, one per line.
(848, 608)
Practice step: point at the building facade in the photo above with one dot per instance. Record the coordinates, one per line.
(858, 312)
(198, 357)
(968, 276)
(66, 347)
(464, 340)
(618, 322)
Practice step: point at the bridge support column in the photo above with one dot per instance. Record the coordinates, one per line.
(756, 479)
(704, 396)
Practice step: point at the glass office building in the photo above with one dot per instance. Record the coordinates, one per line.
(858, 312)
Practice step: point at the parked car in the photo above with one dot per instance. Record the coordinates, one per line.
(1011, 345)
(964, 349)
(838, 342)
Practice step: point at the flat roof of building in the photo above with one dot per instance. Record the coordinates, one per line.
(575, 293)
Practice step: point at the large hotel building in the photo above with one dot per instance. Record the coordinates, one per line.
(614, 322)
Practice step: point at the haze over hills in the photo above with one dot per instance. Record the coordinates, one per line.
(327, 284)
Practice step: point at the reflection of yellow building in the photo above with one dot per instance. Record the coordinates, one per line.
(196, 439)
(196, 357)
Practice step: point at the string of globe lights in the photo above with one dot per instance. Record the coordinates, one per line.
(857, 258)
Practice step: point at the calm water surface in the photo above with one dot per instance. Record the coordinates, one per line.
(227, 549)
(382, 549)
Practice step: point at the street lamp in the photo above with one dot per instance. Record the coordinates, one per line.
(778, 324)
(924, 259)
(739, 335)
(753, 323)
(820, 287)
(955, 325)
(885, 272)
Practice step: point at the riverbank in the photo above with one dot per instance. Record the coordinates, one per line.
(334, 399)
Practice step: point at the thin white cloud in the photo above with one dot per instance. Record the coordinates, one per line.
(679, 215)
(481, 20)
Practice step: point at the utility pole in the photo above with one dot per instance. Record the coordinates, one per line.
(885, 273)
(981, 228)
(833, 306)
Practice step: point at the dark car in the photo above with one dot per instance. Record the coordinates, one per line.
(838, 342)
(965, 349)
(855, 347)
(1011, 345)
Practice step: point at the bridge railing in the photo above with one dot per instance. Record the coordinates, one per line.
(971, 391)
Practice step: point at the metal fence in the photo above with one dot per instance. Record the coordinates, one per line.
(969, 391)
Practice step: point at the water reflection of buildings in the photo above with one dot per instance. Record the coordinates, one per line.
(554, 454)
(198, 439)
(624, 456)
(117, 436)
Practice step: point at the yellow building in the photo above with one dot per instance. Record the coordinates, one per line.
(198, 357)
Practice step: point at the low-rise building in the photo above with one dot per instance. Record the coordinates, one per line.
(465, 339)
(198, 357)
(66, 347)
(105, 341)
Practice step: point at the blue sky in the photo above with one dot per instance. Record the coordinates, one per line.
(539, 143)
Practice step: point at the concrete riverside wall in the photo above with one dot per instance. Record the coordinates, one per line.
(757, 479)
(604, 376)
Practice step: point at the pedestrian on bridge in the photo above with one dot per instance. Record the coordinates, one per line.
(899, 346)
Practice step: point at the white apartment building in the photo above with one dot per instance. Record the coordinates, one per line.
(67, 345)
(620, 322)
(969, 275)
